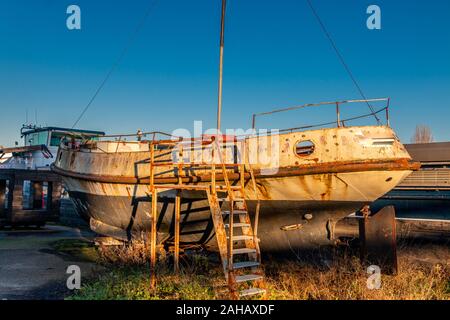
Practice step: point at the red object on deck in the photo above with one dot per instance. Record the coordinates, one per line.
(220, 137)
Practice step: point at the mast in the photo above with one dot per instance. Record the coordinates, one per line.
(222, 31)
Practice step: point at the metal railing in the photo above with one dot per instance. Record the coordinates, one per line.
(154, 135)
(339, 122)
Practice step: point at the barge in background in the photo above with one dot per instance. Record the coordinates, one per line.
(29, 192)
(425, 194)
(319, 177)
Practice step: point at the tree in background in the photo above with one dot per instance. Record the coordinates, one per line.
(422, 135)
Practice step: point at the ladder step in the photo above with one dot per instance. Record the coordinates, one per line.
(251, 292)
(248, 277)
(243, 251)
(239, 225)
(241, 238)
(235, 212)
(245, 264)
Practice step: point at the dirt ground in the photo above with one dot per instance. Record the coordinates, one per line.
(428, 253)
(30, 267)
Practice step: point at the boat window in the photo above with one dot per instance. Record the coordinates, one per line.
(34, 195)
(304, 148)
(36, 138)
(56, 139)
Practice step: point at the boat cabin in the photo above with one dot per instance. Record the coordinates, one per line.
(30, 192)
(40, 146)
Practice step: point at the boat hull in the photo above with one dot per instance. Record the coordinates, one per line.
(282, 223)
(302, 195)
(123, 210)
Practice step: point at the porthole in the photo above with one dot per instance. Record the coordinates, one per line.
(304, 148)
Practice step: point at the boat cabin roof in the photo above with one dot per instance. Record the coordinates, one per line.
(30, 130)
(51, 136)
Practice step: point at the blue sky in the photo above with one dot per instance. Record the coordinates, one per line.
(275, 56)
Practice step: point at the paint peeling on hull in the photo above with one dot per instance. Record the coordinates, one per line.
(109, 217)
(347, 169)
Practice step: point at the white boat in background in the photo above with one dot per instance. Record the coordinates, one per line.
(40, 146)
(29, 192)
(5, 156)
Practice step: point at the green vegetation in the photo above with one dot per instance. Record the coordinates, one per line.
(125, 283)
(128, 277)
(75, 248)
(342, 278)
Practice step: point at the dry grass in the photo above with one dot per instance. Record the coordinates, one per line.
(341, 278)
(135, 253)
(346, 279)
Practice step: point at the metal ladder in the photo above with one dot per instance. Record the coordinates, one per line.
(242, 245)
(245, 277)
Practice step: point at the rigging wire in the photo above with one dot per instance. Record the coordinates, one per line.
(130, 41)
(341, 58)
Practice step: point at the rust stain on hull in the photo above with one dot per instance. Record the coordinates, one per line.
(348, 168)
(326, 168)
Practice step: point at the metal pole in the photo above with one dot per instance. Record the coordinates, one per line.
(338, 115)
(222, 31)
(387, 112)
(213, 167)
(153, 239)
(177, 232)
(152, 168)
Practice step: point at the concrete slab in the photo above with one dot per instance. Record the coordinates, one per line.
(31, 269)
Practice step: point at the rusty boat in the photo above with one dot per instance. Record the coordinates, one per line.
(317, 177)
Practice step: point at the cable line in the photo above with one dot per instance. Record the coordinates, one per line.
(119, 60)
(341, 58)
